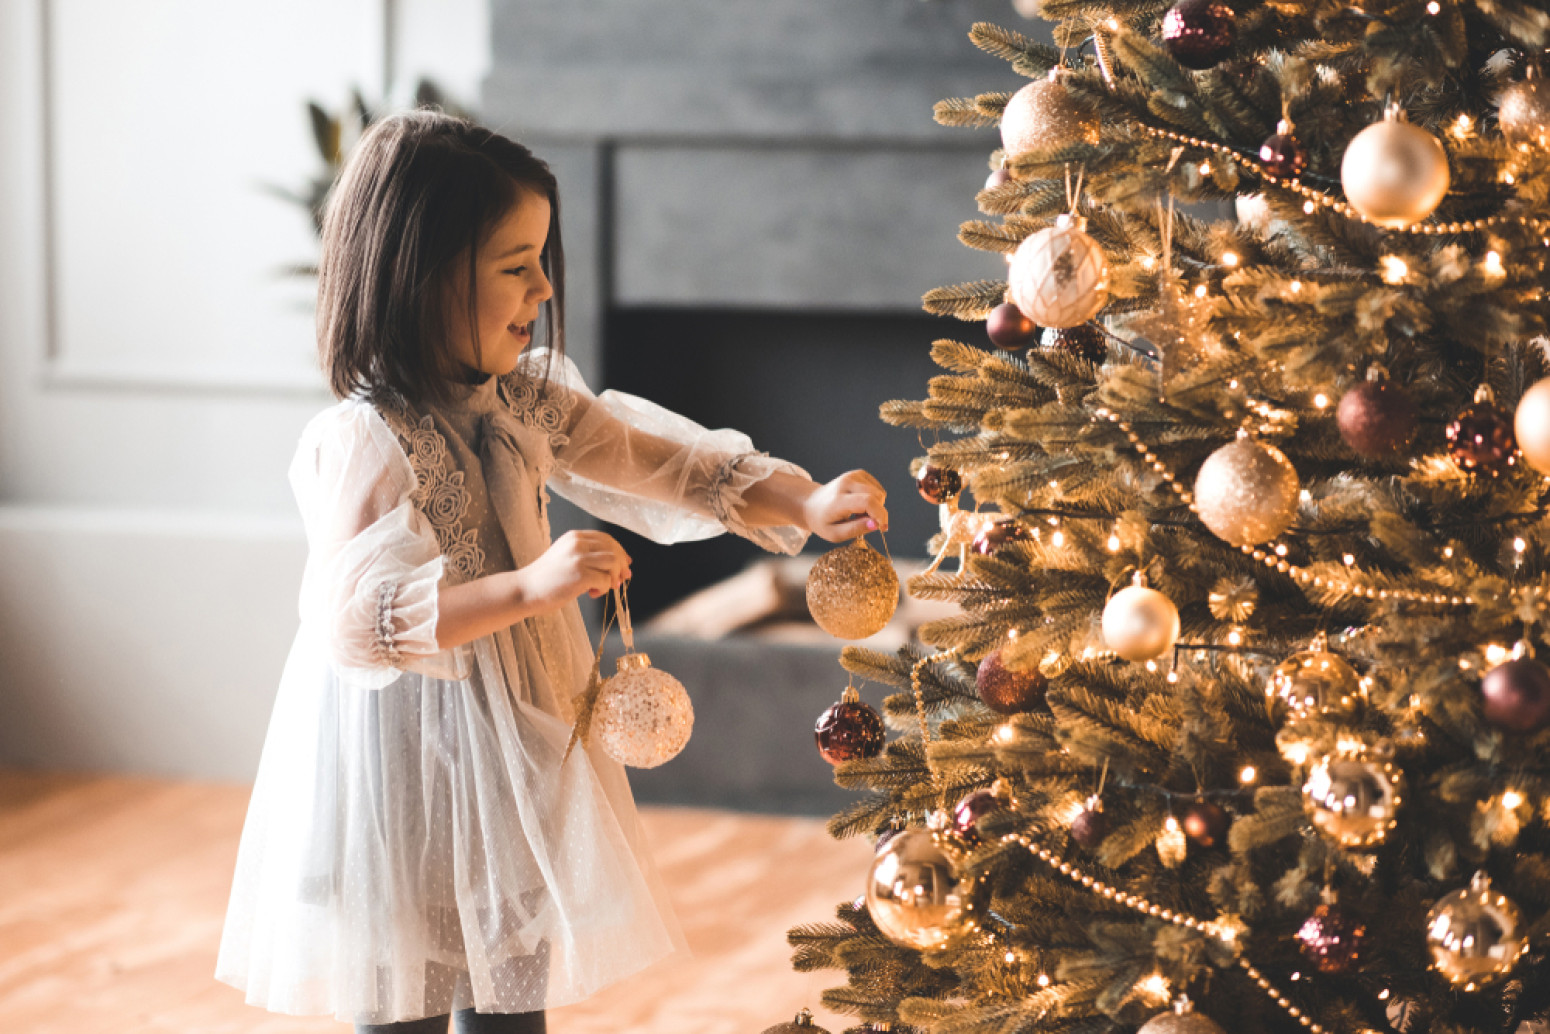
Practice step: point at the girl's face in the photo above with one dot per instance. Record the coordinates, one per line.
(511, 287)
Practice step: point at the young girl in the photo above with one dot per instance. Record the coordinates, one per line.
(414, 846)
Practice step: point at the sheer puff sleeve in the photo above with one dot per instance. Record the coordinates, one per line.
(629, 461)
(373, 563)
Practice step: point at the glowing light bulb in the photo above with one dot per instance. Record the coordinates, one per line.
(1248, 775)
(1307, 207)
(1200, 292)
(1394, 269)
(1433, 8)
(1496, 653)
(1511, 799)
(1043, 980)
(1321, 401)
(1349, 559)
(1518, 545)
(1493, 263)
(1205, 168)
(1156, 985)
(1229, 259)
(1113, 543)
(1296, 286)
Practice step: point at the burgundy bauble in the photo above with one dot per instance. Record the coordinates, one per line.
(997, 178)
(938, 484)
(1198, 33)
(1206, 823)
(1515, 695)
(1007, 327)
(1481, 439)
(968, 812)
(1331, 940)
(1377, 418)
(1006, 691)
(1089, 828)
(1282, 155)
(999, 533)
(1084, 341)
(849, 730)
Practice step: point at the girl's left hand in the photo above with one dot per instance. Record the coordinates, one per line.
(848, 506)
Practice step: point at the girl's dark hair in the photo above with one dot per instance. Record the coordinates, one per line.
(419, 195)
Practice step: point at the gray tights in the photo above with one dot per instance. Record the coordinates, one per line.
(466, 1022)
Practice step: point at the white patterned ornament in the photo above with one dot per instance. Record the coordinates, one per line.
(1059, 277)
(643, 715)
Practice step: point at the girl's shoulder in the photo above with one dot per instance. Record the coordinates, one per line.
(352, 429)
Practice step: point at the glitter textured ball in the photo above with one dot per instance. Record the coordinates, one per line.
(1531, 425)
(1394, 173)
(914, 896)
(1377, 418)
(998, 534)
(1352, 801)
(1331, 940)
(1059, 276)
(1523, 110)
(852, 591)
(1140, 624)
(1315, 682)
(1044, 116)
(1008, 328)
(970, 809)
(1246, 492)
(849, 730)
(1089, 828)
(1481, 441)
(643, 716)
(1173, 1022)
(1199, 33)
(1475, 935)
(1206, 823)
(1084, 341)
(1515, 695)
(938, 484)
(1008, 691)
(803, 1024)
(1282, 155)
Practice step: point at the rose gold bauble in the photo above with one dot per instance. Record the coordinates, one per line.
(852, 591)
(1246, 492)
(1394, 174)
(643, 715)
(1059, 276)
(1044, 115)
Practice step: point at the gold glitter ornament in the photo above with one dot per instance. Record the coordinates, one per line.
(1246, 492)
(643, 716)
(1059, 277)
(1394, 174)
(914, 895)
(852, 591)
(1523, 110)
(1475, 935)
(1044, 116)
(1352, 800)
(1315, 682)
(803, 1024)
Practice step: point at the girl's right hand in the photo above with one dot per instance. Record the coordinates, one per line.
(577, 562)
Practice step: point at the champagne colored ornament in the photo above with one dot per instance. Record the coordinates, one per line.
(1090, 826)
(1045, 116)
(1059, 276)
(1206, 823)
(803, 1024)
(1475, 935)
(1246, 492)
(1315, 682)
(849, 730)
(1182, 1019)
(1394, 174)
(1139, 623)
(1007, 690)
(1331, 940)
(1531, 425)
(852, 591)
(914, 894)
(938, 484)
(644, 716)
(1480, 438)
(999, 534)
(1515, 695)
(1008, 328)
(1523, 111)
(1199, 33)
(1351, 800)
(1281, 154)
(1377, 418)
(1085, 341)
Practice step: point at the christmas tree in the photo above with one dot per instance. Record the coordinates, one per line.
(1247, 519)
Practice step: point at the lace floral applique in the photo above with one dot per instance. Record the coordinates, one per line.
(545, 408)
(440, 493)
(387, 648)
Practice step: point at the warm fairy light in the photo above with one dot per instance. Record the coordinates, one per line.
(1461, 126)
(1205, 168)
(1113, 543)
(1011, 957)
(1308, 207)
(1433, 8)
(1151, 666)
(1155, 985)
(1234, 638)
(1305, 496)
(1383, 995)
(1493, 263)
(1054, 486)
(1518, 545)
(1511, 799)
(1171, 824)
(1229, 258)
(1394, 269)
(1348, 559)
(1059, 538)
(1148, 263)
(1233, 384)
(1043, 980)
(1248, 775)
(1173, 676)
(1496, 653)
(1281, 549)
(1508, 178)
(1321, 401)
(1296, 753)
(1006, 733)
(1296, 286)
(1012, 634)
(1200, 292)
(1087, 653)
(1447, 551)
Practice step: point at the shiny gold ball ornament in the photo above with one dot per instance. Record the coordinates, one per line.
(1246, 492)
(1181, 1019)
(643, 715)
(1394, 174)
(1045, 116)
(1315, 682)
(1352, 800)
(1475, 934)
(1140, 623)
(803, 1024)
(1059, 276)
(914, 895)
(852, 591)
(1531, 425)
(1523, 111)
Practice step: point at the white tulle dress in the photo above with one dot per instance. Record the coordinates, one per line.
(413, 844)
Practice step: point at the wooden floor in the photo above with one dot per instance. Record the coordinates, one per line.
(112, 892)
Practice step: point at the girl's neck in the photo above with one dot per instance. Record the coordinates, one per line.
(468, 375)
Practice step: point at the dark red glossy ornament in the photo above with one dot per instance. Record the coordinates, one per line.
(997, 178)
(1199, 33)
(1206, 823)
(1481, 439)
(1008, 328)
(998, 534)
(1377, 418)
(849, 730)
(1006, 691)
(1084, 341)
(973, 807)
(939, 484)
(1282, 155)
(1515, 695)
(1331, 940)
(1089, 827)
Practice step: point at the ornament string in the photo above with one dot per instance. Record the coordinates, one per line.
(588, 701)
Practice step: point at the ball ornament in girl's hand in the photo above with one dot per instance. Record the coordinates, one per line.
(643, 715)
(1394, 174)
(852, 591)
(1140, 623)
(1331, 940)
(1046, 116)
(1008, 690)
(938, 484)
(1515, 695)
(1377, 418)
(1481, 439)
(1476, 934)
(1008, 328)
(1199, 33)
(849, 730)
(914, 896)
(803, 1024)
(1282, 155)
(1246, 492)
(1531, 426)
(1059, 276)
(1352, 800)
(1084, 341)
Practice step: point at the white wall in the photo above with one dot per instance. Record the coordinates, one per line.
(155, 369)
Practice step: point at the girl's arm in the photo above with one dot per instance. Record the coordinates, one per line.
(850, 505)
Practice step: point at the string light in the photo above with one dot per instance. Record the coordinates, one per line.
(1248, 775)
(1230, 259)
(1394, 269)
(1496, 653)
(1296, 286)
(1321, 401)
(1512, 799)
(1493, 263)
(1200, 292)
(1462, 126)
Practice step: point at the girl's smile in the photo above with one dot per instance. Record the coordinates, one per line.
(509, 286)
